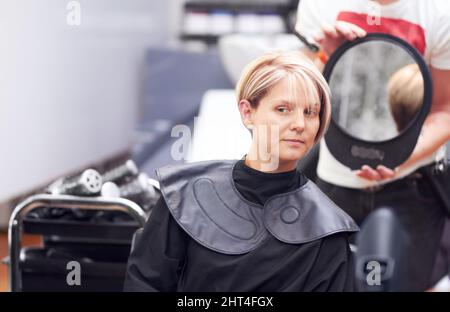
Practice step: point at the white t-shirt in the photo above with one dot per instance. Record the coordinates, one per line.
(425, 24)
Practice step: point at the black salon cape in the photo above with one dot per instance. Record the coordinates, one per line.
(168, 259)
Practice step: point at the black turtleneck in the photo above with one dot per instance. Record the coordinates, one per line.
(257, 186)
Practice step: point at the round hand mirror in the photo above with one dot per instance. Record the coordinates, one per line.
(381, 94)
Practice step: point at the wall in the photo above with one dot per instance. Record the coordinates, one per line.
(69, 95)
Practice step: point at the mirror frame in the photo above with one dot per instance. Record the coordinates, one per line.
(354, 152)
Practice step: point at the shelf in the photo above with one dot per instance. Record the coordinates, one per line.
(255, 6)
(208, 39)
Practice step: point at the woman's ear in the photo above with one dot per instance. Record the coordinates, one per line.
(246, 110)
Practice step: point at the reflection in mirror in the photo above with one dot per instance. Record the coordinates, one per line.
(377, 90)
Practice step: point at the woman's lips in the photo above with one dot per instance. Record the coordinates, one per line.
(294, 143)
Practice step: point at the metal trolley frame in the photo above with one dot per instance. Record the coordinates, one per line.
(58, 201)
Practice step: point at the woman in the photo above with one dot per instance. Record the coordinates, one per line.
(405, 93)
(256, 224)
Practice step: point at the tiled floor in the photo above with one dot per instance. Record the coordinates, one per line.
(28, 240)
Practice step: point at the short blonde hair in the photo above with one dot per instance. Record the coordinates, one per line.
(405, 92)
(260, 75)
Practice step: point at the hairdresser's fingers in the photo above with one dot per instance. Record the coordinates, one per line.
(385, 173)
(329, 31)
(319, 38)
(345, 31)
(358, 31)
(349, 31)
(368, 173)
(355, 29)
(331, 39)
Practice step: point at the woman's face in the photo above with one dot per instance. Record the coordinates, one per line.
(283, 127)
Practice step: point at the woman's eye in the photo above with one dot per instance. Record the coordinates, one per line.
(310, 112)
(282, 109)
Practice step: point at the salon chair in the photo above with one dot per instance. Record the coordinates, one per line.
(380, 255)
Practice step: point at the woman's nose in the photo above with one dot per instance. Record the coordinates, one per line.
(298, 123)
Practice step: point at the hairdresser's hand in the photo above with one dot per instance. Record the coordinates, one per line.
(380, 173)
(333, 36)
